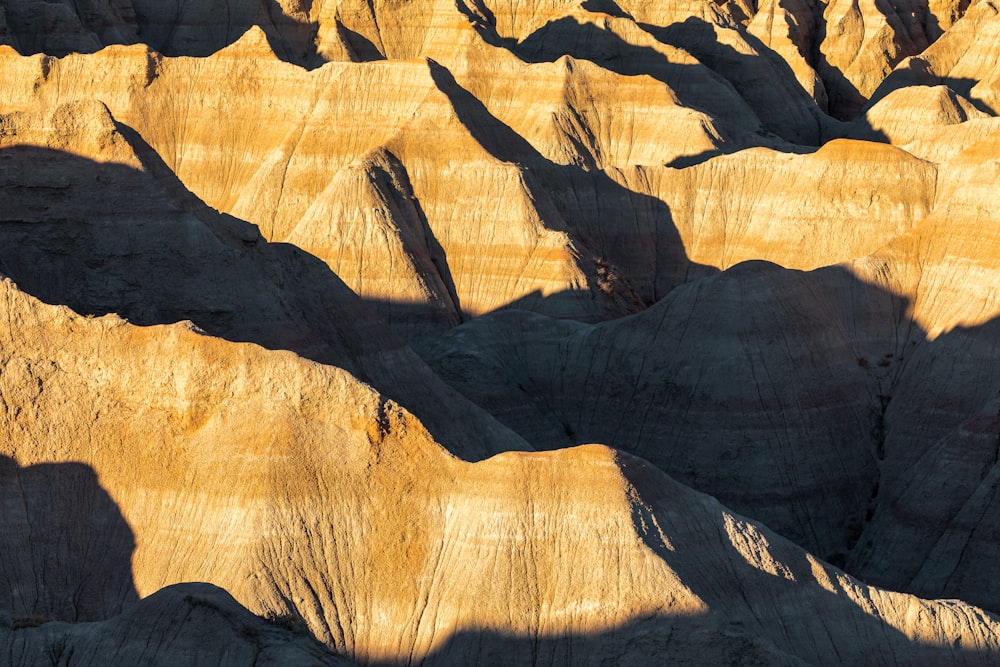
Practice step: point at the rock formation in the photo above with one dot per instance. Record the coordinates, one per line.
(307, 494)
(498, 333)
(187, 623)
(965, 59)
(125, 237)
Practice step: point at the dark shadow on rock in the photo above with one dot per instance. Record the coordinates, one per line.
(693, 160)
(106, 238)
(66, 548)
(844, 100)
(834, 626)
(441, 308)
(364, 49)
(810, 401)
(626, 240)
(499, 140)
(654, 640)
(765, 80)
(609, 7)
(182, 624)
(862, 130)
(484, 21)
(696, 87)
(938, 525)
(918, 73)
(730, 384)
(172, 27)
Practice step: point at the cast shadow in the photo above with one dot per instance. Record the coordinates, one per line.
(650, 384)
(938, 525)
(617, 230)
(789, 610)
(173, 28)
(765, 81)
(67, 549)
(362, 48)
(919, 73)
(696, 87)
(653, 640)
(106, 238)
(811, 401)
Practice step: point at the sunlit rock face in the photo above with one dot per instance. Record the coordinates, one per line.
(307, 494)
(498, 333)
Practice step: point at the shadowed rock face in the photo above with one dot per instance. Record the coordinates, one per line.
(880, 373)
(173, 27)
(67, 548)
(696, 383)
(305, 493)
(139, 245)
(640, 225)
(834, 53)
(188, 621)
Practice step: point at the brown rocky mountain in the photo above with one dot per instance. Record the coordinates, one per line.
(498, 333)
(307, 494)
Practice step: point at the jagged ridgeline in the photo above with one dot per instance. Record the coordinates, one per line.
(499, 333)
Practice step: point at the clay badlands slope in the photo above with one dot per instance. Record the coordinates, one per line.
(431, 330)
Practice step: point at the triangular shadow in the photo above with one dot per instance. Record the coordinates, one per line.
(108, 238)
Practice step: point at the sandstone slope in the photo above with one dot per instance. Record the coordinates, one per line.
(834, 53)
(271, 161)
(220, 222)
(843, 406)
(843, 201)
(302, 491)
(122, 235)
(580, 222)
